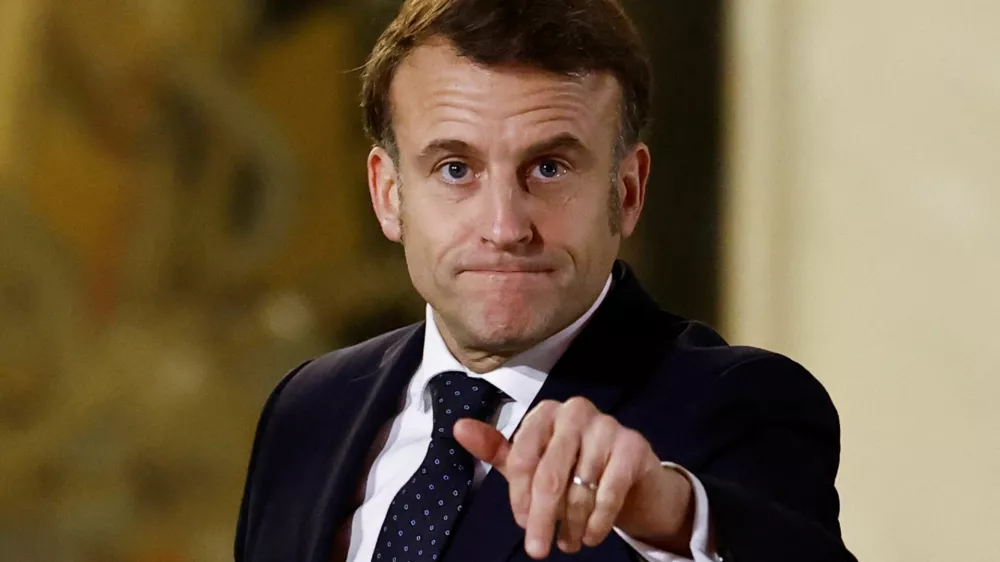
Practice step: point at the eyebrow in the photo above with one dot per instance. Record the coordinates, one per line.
(446, 145)
(562, 141)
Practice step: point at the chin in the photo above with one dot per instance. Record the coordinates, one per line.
(502, 330)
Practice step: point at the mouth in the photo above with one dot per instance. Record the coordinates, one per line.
(508, 281)
(509, 270)
(508, 275)
(506, 270)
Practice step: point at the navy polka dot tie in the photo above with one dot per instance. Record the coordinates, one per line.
(423, 514)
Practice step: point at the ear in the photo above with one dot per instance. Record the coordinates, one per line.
(632, 178)
(383, 186)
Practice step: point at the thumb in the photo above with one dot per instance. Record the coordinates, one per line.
(483, 441)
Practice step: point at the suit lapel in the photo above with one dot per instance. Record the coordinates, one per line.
(379, 395)
(612, 354)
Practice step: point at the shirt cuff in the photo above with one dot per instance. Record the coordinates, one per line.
(699, 535)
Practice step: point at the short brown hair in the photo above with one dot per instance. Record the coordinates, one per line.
(560, 36)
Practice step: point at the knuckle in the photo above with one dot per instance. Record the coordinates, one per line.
(516, 499)
(608, 503)
(632, 440)
(578, 404)
(560, 447)
(543, 410)
(547, 483)
(519, 463)
(575, 414)
(607, 423)
(578, 508)
(547, 406)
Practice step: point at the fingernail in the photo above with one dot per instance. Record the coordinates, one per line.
(535, 546)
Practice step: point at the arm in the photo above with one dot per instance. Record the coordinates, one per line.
(242, 524)
(765, 446)
(769, 473)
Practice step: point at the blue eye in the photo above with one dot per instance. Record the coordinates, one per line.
(548, 170)
(455, 171)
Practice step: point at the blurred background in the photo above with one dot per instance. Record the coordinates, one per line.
(184, 217)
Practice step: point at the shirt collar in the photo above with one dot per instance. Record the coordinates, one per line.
(521, 377)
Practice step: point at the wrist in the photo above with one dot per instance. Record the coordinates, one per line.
(660, 511)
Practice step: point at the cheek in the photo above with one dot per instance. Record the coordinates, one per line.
(429, 236)
(577, 223)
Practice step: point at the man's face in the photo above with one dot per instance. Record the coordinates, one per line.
(503, 195)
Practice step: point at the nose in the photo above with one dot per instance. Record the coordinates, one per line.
(510, 226)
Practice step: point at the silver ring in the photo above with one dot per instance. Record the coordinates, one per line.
(577, 481)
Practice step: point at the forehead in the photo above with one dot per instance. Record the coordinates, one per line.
(437, 93)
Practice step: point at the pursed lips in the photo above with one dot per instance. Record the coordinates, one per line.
(508, 270)
(508, 274)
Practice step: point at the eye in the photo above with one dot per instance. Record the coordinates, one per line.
(548, 170)
(455, 172)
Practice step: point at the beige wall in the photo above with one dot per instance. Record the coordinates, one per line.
(864, 241)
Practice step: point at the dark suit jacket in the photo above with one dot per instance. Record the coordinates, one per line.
(756, 428)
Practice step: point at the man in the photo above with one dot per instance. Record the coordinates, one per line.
(546, 408)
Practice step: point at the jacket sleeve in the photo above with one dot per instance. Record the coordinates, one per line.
(244, 533)
(771, 469)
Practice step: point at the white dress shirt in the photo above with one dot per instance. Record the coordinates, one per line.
(520, 378)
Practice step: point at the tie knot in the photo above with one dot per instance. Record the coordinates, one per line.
(456, 395)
